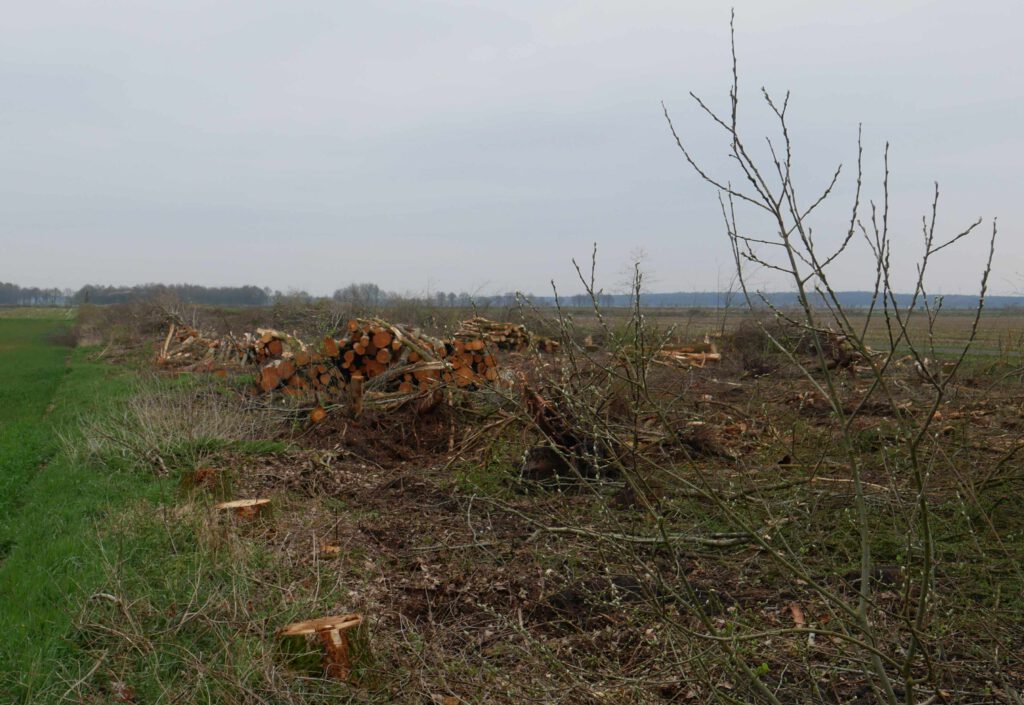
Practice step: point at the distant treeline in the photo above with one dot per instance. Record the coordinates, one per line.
(14, 295)
(370, 295)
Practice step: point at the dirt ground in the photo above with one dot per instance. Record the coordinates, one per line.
(483, 585)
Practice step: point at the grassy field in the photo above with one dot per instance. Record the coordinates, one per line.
(50, 507)
(37, 313)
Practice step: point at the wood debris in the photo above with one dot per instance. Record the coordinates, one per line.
(390, 359)
(501, 336)
(393, 362)
(681, 355)
(244, 508)
(189, 349)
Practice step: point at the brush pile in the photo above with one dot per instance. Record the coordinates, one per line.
(679, 355)
(188, 349)
(685, 356)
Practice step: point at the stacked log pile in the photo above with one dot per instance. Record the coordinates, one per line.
(268, 344)
(497, 335)
(386, 359)
(391, 359)
(502, 336)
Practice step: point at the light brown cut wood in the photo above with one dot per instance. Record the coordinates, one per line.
(244, 508)
(269, 379)
(464, 376)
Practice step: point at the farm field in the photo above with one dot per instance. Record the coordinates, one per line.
(548, 536)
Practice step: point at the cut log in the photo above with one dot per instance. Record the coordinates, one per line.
(269, 379)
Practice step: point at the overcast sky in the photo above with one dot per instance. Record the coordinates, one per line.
(478, 146)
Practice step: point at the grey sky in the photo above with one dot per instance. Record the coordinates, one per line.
(474, 145)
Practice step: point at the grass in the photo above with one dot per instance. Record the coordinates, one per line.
(84, 518)
(50, 507)
(37, 313)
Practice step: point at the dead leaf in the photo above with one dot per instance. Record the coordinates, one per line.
(798, 614)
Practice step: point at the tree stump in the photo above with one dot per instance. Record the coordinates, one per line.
(337, 646)
(245, 508)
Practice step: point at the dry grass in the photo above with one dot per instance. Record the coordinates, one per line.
(167, 425)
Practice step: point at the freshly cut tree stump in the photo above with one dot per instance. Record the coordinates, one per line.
(244, 508)
(339, 646)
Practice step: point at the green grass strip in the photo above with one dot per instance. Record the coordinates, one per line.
(50, 507)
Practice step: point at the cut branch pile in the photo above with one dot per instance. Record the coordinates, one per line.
(685, 356)
(680, 355)
(186, 348)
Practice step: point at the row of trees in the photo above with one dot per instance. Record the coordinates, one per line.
(14, 295)
(363, 295)
(186, 293)
(370, 294)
